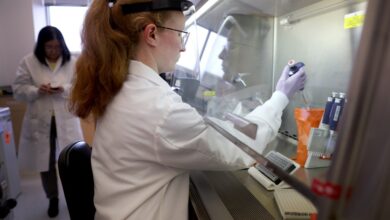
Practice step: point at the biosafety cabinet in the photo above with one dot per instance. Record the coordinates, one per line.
(234, 56)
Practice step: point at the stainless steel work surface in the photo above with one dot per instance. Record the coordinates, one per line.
(236, 195)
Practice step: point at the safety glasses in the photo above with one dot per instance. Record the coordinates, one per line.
(183, 34)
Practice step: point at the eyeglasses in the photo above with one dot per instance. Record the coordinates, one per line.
(183, 34)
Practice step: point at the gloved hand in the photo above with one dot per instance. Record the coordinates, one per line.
(290, 85)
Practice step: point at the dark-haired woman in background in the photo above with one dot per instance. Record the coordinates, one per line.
(43, 80)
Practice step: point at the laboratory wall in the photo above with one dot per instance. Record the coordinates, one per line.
(20, 21)
(316, 36)
(313, 32)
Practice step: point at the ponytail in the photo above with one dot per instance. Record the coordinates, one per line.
(102, 66)
(109, 40)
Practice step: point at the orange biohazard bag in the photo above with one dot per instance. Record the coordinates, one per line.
(306, 118)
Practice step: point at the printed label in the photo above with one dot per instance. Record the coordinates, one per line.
(354, 20)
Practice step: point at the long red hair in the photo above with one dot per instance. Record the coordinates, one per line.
(109, 42)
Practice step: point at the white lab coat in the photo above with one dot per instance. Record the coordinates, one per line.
(147, 142)
(34, 147)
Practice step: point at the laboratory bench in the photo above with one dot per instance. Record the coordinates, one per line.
(237, 195)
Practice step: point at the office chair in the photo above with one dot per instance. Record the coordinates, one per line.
(74, 165)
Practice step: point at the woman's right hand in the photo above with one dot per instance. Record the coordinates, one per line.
(45, 89)
(289, 85)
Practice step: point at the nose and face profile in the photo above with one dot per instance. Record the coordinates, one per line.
(230, 58)
(173, 40)
(245, 59)
(240, 64)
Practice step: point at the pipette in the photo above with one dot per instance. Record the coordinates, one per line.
(294, 67)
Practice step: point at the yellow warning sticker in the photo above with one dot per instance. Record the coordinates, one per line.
(354, 20)
(209, 93)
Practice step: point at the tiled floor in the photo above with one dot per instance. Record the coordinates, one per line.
(32, 202)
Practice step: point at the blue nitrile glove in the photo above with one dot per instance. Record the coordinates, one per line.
(290, 85)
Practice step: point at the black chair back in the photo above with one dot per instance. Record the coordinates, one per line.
(74, 165)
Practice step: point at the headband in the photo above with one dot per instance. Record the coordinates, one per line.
(157, 5)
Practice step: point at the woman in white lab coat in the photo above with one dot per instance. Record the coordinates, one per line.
(147, 140)
(43, 81)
